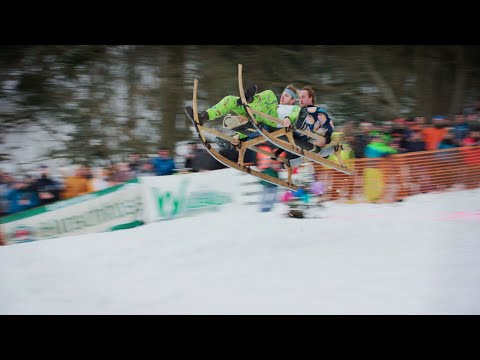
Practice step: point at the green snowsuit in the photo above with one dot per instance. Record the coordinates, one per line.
(266, 102)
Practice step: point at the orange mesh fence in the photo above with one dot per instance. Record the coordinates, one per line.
(395, 177)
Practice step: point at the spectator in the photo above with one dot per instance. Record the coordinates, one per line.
(400, 131)
(375, 183)
(362, 139)
(192, 149)
(163, 164)
(473, 139)
(415, 142)
(399, 143)
(386, 127)
(122, 173)
(4, 189)
(22, 196)
(87, 173)
(48, 190)
(450, 175)
(269, 167)
(471, 157)
(460, 128)
(76, 183)
(420, 122)
(146, 169)
(201, 160)
(99, 179)
(110, 171)
(134, 163)
(377, 147)
(433, 134)
(342, 183)
(448, 141)
(318, 190)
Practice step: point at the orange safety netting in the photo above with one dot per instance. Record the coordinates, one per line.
(395, 177)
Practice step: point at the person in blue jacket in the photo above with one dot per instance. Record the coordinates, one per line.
(21, 197)
(377, 147)
(163, 164)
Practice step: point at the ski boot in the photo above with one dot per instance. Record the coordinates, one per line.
(202, 115)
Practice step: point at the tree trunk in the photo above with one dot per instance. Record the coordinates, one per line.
(460, 76)
(172, 93)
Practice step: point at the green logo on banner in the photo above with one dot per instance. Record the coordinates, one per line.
(170, 204)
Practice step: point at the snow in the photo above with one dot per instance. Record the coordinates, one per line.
(420, 256)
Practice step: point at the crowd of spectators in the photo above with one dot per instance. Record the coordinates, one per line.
(44, 185)
(366, 138)
(403, 135)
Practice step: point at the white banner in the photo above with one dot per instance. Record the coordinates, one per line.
(114, 208)
(149, 199)
(167, 197)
